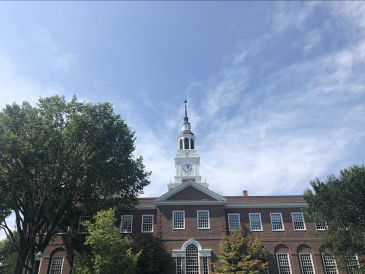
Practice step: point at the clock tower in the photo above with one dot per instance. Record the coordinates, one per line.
(187, 159)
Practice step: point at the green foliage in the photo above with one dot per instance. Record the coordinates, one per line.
(240, 254)
(60, 153)
(154, 258)
(340, 202)
(110, 253)
(8, 254)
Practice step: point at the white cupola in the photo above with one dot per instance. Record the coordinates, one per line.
(187, 159)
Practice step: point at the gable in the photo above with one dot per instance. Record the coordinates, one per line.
(190, 194)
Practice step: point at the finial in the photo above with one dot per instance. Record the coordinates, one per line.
(186, 114)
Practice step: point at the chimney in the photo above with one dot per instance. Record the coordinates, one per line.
(245, 193)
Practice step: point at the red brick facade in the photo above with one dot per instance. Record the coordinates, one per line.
(191, 197)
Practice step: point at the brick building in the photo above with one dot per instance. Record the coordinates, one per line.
(191, 219)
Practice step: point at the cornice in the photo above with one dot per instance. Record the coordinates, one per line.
(145, 207)
(203, 189)
(269, 205)
(169, 203)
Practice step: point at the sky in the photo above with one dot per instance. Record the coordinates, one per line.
(276, 90)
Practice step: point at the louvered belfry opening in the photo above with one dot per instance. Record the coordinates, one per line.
(186, 143)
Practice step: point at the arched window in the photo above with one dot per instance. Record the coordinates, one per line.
(191, 144)
(181, 144)
(192, 260)
(186, 143)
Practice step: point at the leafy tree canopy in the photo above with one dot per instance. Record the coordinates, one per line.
(8, 254)
(154, 258)
(339, 203)
(59, 154)
(110, 253)
(241, 255)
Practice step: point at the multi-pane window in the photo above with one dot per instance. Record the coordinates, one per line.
(178, 265)
(283, 263)
(298, 221)
(255, 221)
(62, 229)
(276, 221)
(233, 221)
(306, 263)
(178, 219)
(82, 228)
(329, 263)
(319, 225)
(126, 224)
(147, 223)
(353, 267)
(205, 265)
(56, 265)
(191, 260)
(203, 219)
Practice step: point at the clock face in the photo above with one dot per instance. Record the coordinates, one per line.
(187, 168)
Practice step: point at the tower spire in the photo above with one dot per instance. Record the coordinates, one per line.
(186, 113)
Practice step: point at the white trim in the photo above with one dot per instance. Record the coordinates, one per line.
(142, 224)
(301, 264)
(296, 229)
(249, 215)
(269, 205)
(121, 223)
(191, 241)
(87, 218)
(173, 219)
(197, 219)
(50, 269)
(203, 189)
(229, 221)
(282, 222)
(277, 260)
(145, 207)
(324, 265)
(201, 252)
(168, 203)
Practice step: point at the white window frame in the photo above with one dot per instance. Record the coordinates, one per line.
(205, 260)
(121, 223)
(319, 226)
(197, 219)
(147, 215)
(50, 269)
(292, 218)
(229, 221)
(179, 264)
(277, 259)
(355, 261)
(301, 263)
(86, 218)
(282, 222)
(259, 214)
(324, 263)
(173, 219)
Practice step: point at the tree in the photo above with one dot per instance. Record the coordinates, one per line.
(154, 258)
(240, 254)
(339, 202)
(110, 253)
(60, 154)
(8, 255)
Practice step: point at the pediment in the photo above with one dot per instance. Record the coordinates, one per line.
(190, 192)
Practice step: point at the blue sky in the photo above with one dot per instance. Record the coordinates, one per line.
(276, 90)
